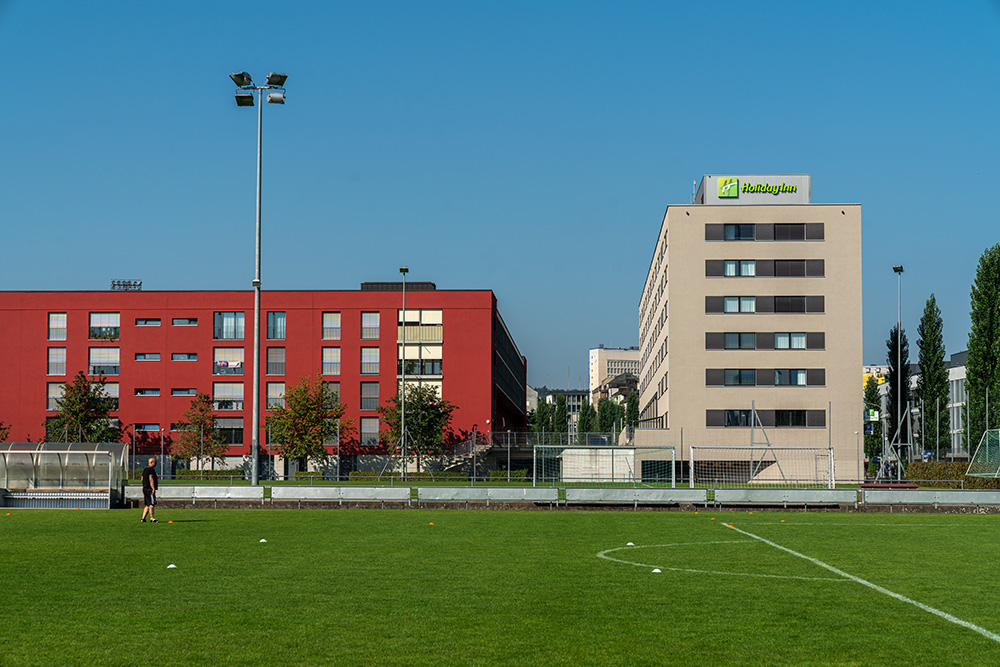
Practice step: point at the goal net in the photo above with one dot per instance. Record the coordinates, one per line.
(986, 461)
(736, 467)
(605, 465)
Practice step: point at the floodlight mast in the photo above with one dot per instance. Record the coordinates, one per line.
(276, 87)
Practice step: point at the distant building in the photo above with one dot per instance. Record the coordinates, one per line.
(609, 362)
(617, 388)
(575, 399)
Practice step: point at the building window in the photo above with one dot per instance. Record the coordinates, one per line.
(789, 341)
(331, 326)
(147, 392)
(154, 428)
(738, 232)
(793, 418)
(184, 356)
(421, 360)
(369, 326)
(105, 326)
(789, 304)
(789, 232)
(740, 267)
(57, 326)
(227, 361)
(738, 417)
(228, 326)
(55, 393)
(276, 326)
(369, 395)
(104, 361)
(229, 430)
(369, 432)
(227, 395)
(331, 361)
(333, 387)
(789, 268)
(147, 356)
(739, 304)
(185, 321)
(275, 361)
(111, 389)
(147, 321)
(369, 361)
(57, 361)
(275, 395)
(784, 376)
(420, 325)
(740, 341)
(739, 376)
(184, 392)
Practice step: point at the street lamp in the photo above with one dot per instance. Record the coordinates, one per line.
(275, 86)
(898, 269)
(403, 270)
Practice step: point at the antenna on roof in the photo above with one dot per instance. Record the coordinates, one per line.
(694, 189)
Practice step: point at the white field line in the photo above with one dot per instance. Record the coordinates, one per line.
(604, 554)
(875, 587)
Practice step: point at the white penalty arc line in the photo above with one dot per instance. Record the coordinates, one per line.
(875, 587)
(604, 555)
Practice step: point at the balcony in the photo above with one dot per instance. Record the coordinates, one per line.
(227, 368)
(227, 404)
(105, 333)
(104, 369)
(420, 367)
(421, 333)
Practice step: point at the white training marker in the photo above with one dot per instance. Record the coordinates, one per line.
(630, 545)
(171, 566)
(656, 570)
(263, 540)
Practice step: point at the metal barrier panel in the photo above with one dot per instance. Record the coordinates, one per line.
(446, 493)
(786, 496)
(91, 500)
(635, 495)
(229, 493)
(169, 492)
(931, 497)
(523, 495)
(341, 493)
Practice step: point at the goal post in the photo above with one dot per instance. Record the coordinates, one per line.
(755, 467)
(604, 465)
(986, 461)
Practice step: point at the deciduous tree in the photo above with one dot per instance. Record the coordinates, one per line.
(311, 417)
(932, 385)
(4, 431)
(198, 437)
(873, 441)
(428, 420)
(82, 413)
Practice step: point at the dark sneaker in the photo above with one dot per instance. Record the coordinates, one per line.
(153, 521)
(142, 521)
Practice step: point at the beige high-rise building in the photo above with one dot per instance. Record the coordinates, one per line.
(750, 322)
(608, 362)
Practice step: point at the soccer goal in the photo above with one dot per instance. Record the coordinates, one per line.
(738, 467)
(604, 465)
(986, 461)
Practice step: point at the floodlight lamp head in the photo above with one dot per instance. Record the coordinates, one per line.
(404, 270)
(275, 97)
(244, 99)
(241, 79)
(276, 79)
(898, 268)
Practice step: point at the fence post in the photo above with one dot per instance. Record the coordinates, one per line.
(691, 467)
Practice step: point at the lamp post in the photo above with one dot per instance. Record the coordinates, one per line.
(898, 269)
(244, 98)
(403, 270)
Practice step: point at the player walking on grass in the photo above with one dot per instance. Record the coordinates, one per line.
(150, 482)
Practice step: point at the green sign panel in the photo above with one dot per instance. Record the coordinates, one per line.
(729, 188)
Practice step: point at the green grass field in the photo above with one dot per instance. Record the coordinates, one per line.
(372, 587)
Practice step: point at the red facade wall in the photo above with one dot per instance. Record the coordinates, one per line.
(467, 360)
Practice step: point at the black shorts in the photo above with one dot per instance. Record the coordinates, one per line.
(148, 498)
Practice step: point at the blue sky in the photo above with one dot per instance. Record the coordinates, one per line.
(530, 148)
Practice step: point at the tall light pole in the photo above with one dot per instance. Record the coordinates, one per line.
(244, 98)
(898, 269)
(403, 270)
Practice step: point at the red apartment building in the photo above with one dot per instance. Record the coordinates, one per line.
(158, 349)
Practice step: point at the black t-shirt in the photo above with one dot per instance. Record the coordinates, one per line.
(149, 479)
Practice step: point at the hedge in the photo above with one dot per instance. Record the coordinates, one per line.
(515, 475)
(946, 470)
(307, 474)
(358, 475)
(219, 473)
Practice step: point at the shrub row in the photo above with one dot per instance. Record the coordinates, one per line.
(308, 474)
(359, 475)
(218, 473)
(515, 475)
(946, 470)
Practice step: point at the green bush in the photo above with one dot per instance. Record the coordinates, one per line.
(370, 475)
(309, 474)
(219, 473)
(947, 470)
(515, 475)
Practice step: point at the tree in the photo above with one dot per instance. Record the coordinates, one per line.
(588, 419)
(198, 435)
(932, 385)
(873, 441)
(632, 409)
(560, 418)
(609, 415)
(83, 413)
(4, 431)
(311, 417)
(428, 420)
(892, 377)
(541, 418)
(982, 366)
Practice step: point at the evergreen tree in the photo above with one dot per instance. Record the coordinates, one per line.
(982, 366)
(560, 418)
(891, 379)
(312, 416)
(632, 409)
(932, 385)
(541, 421)
(873, 442)
(588, 419)
(83, 413)
(198, 437)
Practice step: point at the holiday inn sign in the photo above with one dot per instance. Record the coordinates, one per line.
(729, 188)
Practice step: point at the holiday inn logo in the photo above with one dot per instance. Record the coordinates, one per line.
(729, 188)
